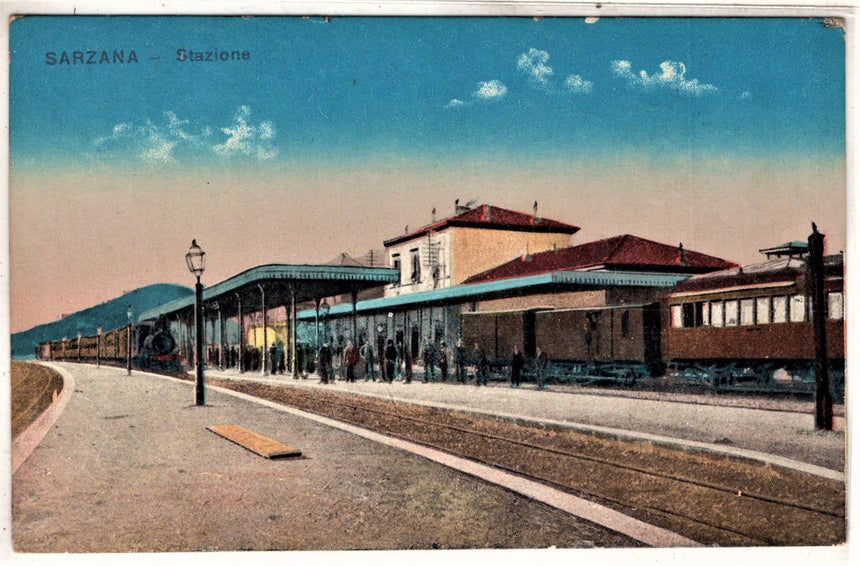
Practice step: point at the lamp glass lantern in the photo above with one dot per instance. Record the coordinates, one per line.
(195, 258)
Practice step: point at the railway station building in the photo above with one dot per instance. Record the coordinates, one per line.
(479, 259)
(489, 259)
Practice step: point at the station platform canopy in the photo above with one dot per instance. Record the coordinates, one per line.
(544, 282)
(278, 285)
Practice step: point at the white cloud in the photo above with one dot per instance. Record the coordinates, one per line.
(671, 76)
(456, 103)
(151, 142)
(534, 63)
(577, 84)
(247, 139)
(159, 142)
(157, 147)
(490, 90)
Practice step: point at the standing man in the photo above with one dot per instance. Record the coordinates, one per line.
(367, 354)
(429, 357)
(390, 360)
(444, 352)
(325, 364)
(541, 365)
(280, 358)
(460, 356)
(517, 364)
(351, 357)
(407, 363)
(479, 359)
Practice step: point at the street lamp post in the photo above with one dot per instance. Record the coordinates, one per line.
(99, 348)
(195, 260)
(130, 314)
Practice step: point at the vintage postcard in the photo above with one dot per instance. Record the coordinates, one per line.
(439, 282)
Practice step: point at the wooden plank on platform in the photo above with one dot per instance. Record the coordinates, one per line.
(256, 443)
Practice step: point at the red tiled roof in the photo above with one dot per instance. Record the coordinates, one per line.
(619, 252)
(491, 217)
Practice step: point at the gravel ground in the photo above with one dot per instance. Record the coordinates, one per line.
(32, 388)
(130, 467)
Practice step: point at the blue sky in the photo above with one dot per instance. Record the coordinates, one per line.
(725, 134)
(429, 89)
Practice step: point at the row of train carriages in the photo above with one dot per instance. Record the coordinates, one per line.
(146, 346)
(745, 328)
(749, 328)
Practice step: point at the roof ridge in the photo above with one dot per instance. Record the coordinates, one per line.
(621, 240)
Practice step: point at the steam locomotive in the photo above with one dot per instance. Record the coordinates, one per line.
(149, 346)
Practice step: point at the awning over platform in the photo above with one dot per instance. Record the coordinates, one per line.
(283, 284)
(505, 287)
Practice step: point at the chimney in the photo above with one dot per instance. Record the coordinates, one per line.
(433, 215)
(535, 209)
(683, 254)
(487, 214)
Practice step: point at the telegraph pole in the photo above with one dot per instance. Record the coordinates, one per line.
(823, 393)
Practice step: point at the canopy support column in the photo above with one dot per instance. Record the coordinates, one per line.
(241, 357)
(292, 325)
(264, 367)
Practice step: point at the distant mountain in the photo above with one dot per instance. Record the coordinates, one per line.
(108, 315)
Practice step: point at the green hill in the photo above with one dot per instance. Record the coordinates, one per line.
(109, 315)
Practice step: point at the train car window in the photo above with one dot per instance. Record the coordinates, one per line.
(762, 310)
(677, 317)
(706, 314)
(689, 316)
(747, 312)
(716, 314)
(834, 306)
(797, 308)
(731, 311)
(780, 309)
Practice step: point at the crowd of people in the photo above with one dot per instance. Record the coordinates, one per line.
(393, 363)
(440, 363)
(389, 362)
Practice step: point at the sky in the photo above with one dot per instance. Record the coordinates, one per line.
(332, 135)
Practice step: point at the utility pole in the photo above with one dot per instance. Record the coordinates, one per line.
(823, 393)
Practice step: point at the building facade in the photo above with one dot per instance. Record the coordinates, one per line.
(446, 253)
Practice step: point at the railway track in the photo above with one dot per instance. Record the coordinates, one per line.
(708, 498)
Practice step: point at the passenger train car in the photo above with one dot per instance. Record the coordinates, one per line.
(753, 326)
(747, 328)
